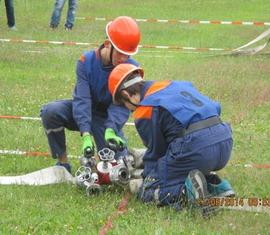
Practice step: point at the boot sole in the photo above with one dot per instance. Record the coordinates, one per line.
(199, 182)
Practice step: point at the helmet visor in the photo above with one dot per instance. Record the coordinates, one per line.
(131, 82)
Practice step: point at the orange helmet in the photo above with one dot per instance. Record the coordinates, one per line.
(118, 76)
(124, 34)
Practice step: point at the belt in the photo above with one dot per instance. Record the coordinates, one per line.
(212, 121)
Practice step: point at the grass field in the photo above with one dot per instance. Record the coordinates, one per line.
(34, 74)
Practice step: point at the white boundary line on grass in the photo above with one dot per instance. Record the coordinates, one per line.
(182, 21)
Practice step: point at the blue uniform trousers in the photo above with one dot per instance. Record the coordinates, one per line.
(207, 150)
(57, 115)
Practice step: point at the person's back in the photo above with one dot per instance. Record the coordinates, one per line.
(183, 133)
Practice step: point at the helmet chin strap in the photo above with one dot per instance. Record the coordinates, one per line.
(130, 102)
(136, 105)
(111, 54)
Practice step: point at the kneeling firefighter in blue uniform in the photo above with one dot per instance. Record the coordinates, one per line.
(91, 110)
(183, 133)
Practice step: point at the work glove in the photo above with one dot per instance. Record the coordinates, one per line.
(88, 147)
(114, 142)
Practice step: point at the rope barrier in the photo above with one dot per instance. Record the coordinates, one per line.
(182, 21)
(28, 153)
(205, 49)
(39, 119)
(242, 50)
(46, 154)
(121, 209)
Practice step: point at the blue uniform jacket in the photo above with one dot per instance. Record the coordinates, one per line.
(165, 108)
(91, 94)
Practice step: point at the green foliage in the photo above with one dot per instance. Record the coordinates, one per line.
(34, 74)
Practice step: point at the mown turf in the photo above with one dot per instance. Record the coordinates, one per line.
(34, 74)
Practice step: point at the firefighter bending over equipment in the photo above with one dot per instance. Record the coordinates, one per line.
(183, 133)
(91, 110)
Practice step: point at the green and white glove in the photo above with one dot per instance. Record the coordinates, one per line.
(88, 146)
(113, 140)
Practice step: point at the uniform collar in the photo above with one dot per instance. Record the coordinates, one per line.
(145, 88)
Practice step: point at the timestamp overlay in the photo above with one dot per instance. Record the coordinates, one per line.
(253, 204)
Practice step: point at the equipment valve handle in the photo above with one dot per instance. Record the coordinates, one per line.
(106, 155)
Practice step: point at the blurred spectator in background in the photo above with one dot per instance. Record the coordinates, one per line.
(10, 14)
(56, 15)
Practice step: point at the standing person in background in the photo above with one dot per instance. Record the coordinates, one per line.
(56, 15)
(91, 110)
(10, 14)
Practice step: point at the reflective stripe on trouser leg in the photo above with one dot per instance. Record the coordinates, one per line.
(56, 116)
(57, 142)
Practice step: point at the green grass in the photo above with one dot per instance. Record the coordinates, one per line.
(34, 74)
